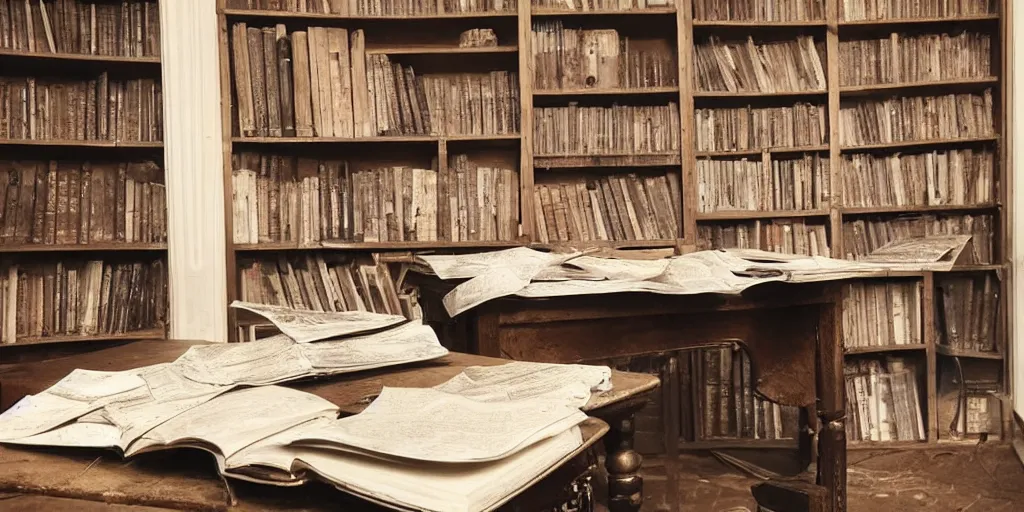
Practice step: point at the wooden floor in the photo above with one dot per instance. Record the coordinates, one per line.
(985, 478)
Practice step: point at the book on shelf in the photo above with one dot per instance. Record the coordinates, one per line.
(881, 314)
(618, 207)
(286, 199)
(568, 58)
(969, 399)
(858, 10)
(862, 236)
(321, 82)
(762, 185)
(81, 297)
(882, 401)
(615, 130)
(117, 29)
(60, 202)
(375, 8)
(744, 10)
(916, 118)
(768, 67)
(747, 128)
(81, 110)
(967, 311)
(328, 282)
(937, 178)
(776, 235)
(602, 5)
(901, 58)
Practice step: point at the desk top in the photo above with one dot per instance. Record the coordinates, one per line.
(350, 392)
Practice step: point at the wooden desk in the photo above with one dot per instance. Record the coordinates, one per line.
(791, 333)
(54, 472)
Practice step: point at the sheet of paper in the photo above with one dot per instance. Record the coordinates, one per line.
(308, 326)
(406, 343)
(430, 425)
(933, 252)
(90, 385)
(467, 266)
(261, 362)
(35, 414)
(571, 383)
(76, 435)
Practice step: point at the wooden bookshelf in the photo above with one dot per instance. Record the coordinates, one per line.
(679, 28)
(75, 143)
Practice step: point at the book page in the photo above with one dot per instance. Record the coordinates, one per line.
(430, 425)
(261, 362)
(407, 343)
(571, 383)
(307, 326)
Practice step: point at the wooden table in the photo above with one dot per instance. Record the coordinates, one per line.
(166, 479)
(791, 333)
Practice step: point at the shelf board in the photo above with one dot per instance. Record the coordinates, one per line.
(275, 15)
(917, 143)
(916, 21)
(971, 354)
(440, 50)
(542, 12)
(976, 268)
(80, 143)
(854, 89)
(364, 140)
(372, 246)
(759, 24)
(757, 94)
(23, 248)
(756, 214)
(150, 334)
(863, 210)
(618, 160)
(882, 349)
(758, 152)
(79, 57)
(611, 244)
(619, 91)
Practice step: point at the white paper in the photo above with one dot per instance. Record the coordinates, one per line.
(76, 435)
(411, 342)
(261, 362)
(308, 326)
(39, 413)
(570, 383)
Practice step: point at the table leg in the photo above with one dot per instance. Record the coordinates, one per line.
(625, 485)
(831, 391)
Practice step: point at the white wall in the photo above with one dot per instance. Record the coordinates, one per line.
(1015, 173)
(194, 170)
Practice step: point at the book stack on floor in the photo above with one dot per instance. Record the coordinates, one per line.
(464, 445)
(882, 401)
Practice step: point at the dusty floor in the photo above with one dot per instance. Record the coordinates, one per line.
(984, 478)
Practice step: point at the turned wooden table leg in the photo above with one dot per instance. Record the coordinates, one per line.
(625, 485)
(831, 391)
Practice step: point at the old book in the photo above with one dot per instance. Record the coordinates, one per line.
(272, 82)
(362, 107)
(305, 103)
(257, 73)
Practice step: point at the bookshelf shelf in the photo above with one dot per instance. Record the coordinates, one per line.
(758, 24)
(759, 214)
(911, 86)
(29, 248)
(638, 91)
(440, 50)
(652, 11)
(850, 351)
(758, 94)
(392, 139)
(584, 161)
(79, 57)
(267, 16)
(912, 144)
(970, 354)
(372, 246)
(149, 334)
(757, 152)
(82, 143)
(866, 210)
(918, 21)
(977, 268)
(610, 244)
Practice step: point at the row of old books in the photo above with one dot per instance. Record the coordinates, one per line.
(968, 312)
(915, 58)
(327, 283)
(100, 109)
(81, 297)
(619, 207)
(125, 29)
(745, 10)
(746, 66)
(880, 314)
(882, 401)
(750, 185)
(746, 128)
(954, 177)
(727, 404)
(284, 199)
(375, 7)
(615, 130)
(916, 118)
(861, 237)
(570, 58)
(854, 10)
(81, 203)
(601, 5)
(776, 235)
(321, 82)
